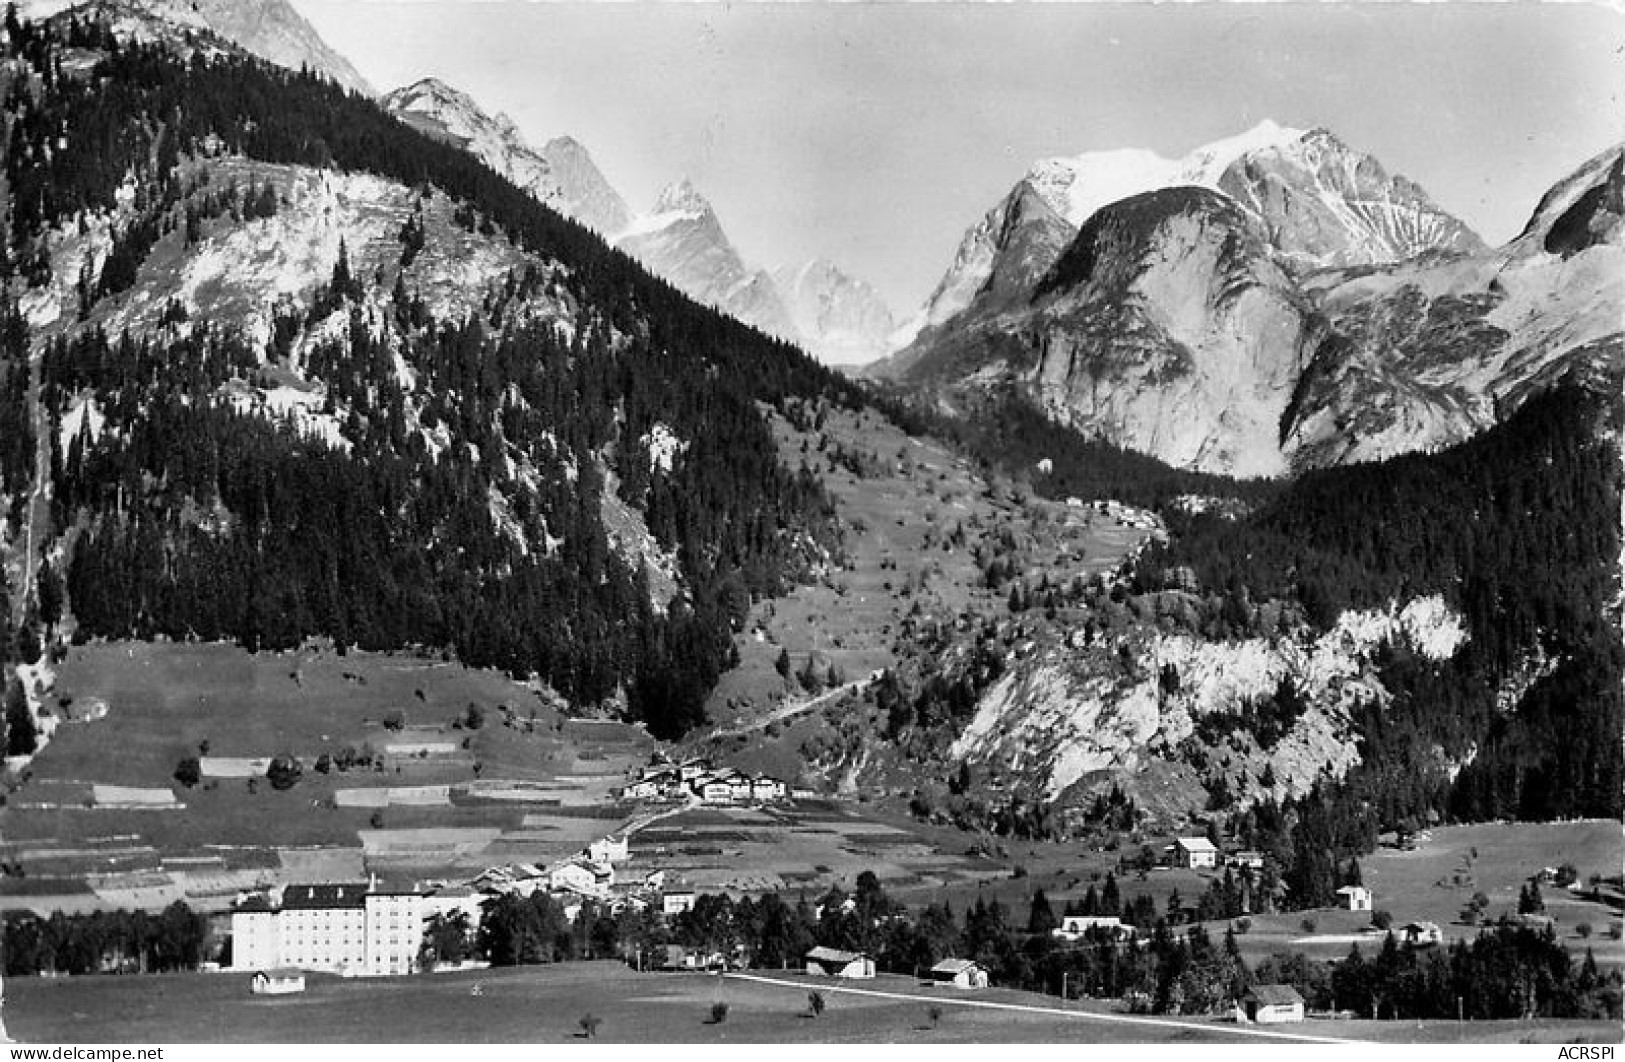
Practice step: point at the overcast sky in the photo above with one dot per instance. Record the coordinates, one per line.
(874, 134)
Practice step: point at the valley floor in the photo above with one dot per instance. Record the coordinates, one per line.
(545, 1004)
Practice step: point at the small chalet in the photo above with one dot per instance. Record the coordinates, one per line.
(1195, 852)
(1250, 860)
(1075, 927)
(716, 791)
(1355, 897)
(961, 973)
(831, 962)
(642, 789)
(1420, 934)
(680, 958)
(609, 850)
(676, 901)
(1270, 1005)
(279, 982)
(574, 877)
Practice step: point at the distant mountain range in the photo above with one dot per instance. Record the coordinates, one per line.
(680, 238)
(1237, 310)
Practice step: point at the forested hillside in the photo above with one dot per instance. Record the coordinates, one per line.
(459, 505)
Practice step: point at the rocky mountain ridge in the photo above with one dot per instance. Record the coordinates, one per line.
(270, 29)
(561, 173)
(1322, 202)
(1316, 383)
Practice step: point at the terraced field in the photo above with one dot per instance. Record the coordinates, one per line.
(100, 817)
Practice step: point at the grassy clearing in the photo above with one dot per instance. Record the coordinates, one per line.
(170, 701)
(545, 1005)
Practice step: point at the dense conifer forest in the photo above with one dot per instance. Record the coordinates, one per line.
(193, 518)
(1519, 530)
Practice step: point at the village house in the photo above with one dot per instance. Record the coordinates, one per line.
(609, 850)
(642, 789)
(1195, 852)
(961, 973)
(1355, 897)
(1270, 1005)
(279, 982)
(1420, 934)
(1248, 859)
(575, 877)
(678, 957)
(716, 791)
(676, 901)
(832, 962)
(1073, 928)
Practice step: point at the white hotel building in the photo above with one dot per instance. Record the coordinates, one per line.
(349, 928)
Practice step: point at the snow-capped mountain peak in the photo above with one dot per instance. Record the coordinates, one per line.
(681, 197)
(842, 320)
(1325, 204)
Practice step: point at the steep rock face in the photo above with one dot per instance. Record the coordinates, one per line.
(1073, 717)
(583, 192)
(1327, 205)
(841, 320)
(1014, 246)
(1322, 204)
(270, 29)
(1433, 350)
(561, 174)
(682, 241)
(1169, 328)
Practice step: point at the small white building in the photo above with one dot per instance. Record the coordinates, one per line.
(1270, 1005)
(961, 973)
(1195, 852)
(832, 962)
(1421, 934)
(1074, 927)
(676, 901)
(1355, 897)
(609, 850)
(278, 982)
(573, 876)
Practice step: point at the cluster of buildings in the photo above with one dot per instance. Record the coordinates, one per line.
(697, 779)
(365, 929)
(1199, 853)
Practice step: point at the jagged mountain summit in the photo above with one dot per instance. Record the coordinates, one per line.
(561, 174)
(1304, 308)
(840, 319)
(1436, 349)
(270, 29)
(1322, 202)
(682, 240)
